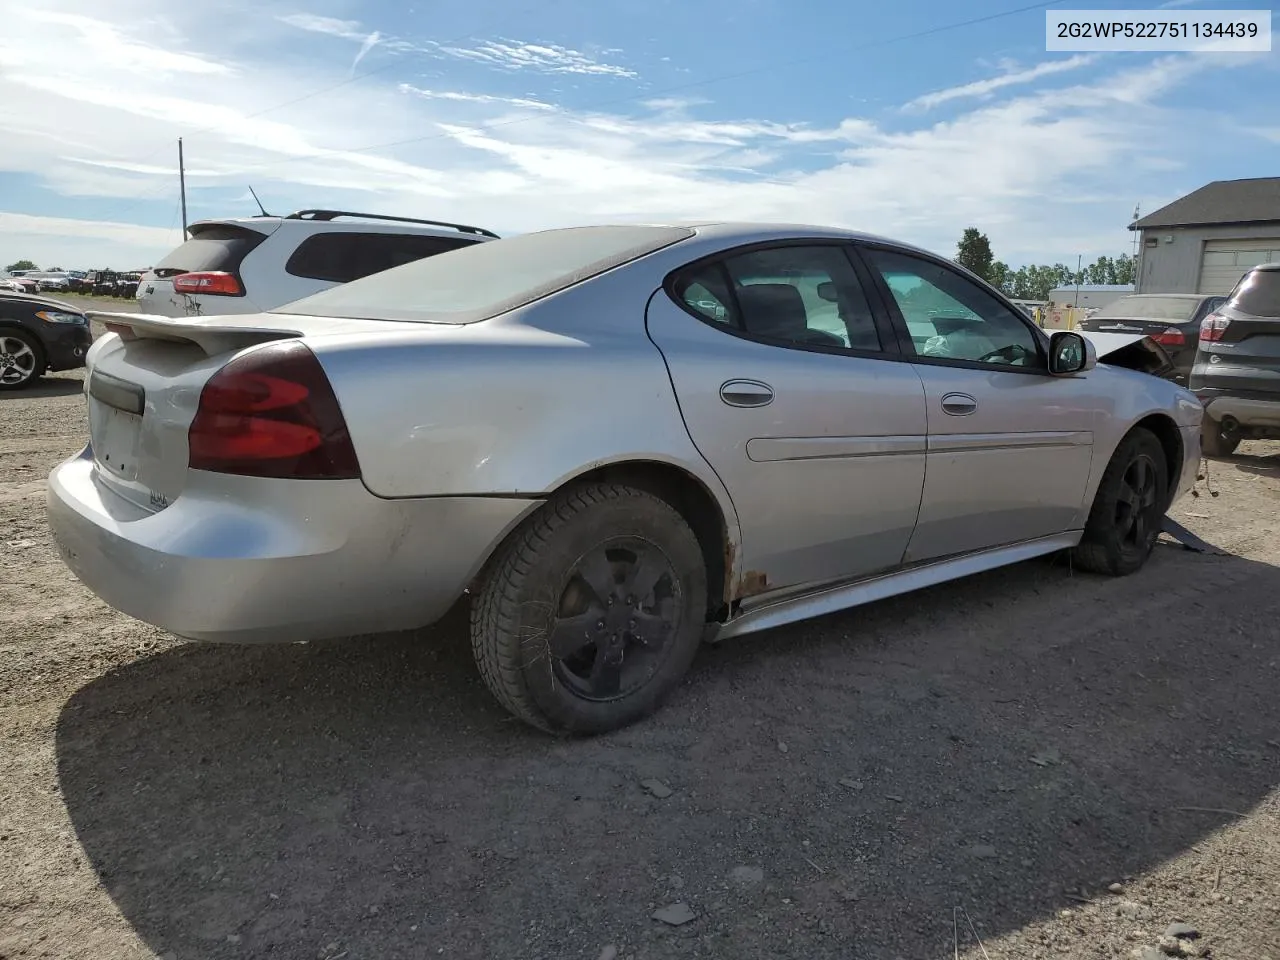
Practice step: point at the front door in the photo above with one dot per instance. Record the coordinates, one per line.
(798, 398)
(1010, 447)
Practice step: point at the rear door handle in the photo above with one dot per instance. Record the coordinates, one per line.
(746, 393)
(959, 404)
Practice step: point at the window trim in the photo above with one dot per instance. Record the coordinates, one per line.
(890, 348)
(903, 333)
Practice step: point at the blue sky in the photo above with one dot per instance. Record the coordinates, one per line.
(522, 114)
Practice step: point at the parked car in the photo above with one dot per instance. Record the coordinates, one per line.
(1237, 368)
(250, 264)
(24, 283)
(39, 334)
(54, 282)
(621, 439)
(1170, 319)
(9, 285)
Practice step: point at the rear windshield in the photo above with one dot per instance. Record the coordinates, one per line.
(486, 279)
(1258, 294)
(217, 247)
(1153, 308)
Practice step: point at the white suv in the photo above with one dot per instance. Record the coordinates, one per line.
(251, 264)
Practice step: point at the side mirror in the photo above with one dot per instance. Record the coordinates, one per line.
(1070, 353)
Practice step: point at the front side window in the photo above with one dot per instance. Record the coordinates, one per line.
(792, 295)
(949, 317)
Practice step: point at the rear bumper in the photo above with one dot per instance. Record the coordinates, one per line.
(1246, 411)
(244, 560)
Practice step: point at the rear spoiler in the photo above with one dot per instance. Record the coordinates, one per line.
(212, 338)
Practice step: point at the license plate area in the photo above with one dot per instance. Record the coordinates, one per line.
(115, 423)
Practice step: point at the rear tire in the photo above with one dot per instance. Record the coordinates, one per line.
(1124, 522)
(22, 360)
(1213, 442)
(591, 613)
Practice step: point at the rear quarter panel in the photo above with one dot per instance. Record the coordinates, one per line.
(511, 406)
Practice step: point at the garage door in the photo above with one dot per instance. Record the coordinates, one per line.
(1226, 261)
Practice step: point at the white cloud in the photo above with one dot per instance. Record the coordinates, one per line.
(73, 243)
(1045, 173)
(538, 57)
(330, 26)
(458, 97)
(1012, 77)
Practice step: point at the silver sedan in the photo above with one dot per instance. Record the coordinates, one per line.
(620, 440)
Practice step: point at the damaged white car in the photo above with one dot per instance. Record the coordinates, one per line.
(622, 440)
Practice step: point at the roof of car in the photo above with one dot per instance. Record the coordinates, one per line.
(348, 218)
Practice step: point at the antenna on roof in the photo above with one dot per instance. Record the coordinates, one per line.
(259, 203)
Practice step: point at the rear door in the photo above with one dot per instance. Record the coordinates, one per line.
(795, 394)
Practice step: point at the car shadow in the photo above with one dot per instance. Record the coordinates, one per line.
(46, 387)
(991, 743)
(1263, 461)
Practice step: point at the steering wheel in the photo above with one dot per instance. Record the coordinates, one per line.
(1010, 354)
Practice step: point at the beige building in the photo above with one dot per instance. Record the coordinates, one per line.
(1207, 240)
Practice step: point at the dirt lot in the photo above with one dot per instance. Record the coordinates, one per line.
(1012, 744)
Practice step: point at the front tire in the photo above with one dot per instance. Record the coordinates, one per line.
(591, 613)
(1124, 522)
(21, 359)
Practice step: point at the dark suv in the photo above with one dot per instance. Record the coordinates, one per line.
(1237, 368)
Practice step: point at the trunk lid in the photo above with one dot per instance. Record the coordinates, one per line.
(143, 387)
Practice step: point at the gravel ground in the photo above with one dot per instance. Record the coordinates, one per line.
(1012, 745)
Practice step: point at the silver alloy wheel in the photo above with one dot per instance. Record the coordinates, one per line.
(17, 361)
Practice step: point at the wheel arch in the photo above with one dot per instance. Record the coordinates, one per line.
(714, 525)
(717, 535)
(1166, 431)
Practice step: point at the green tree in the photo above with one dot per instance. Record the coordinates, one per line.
(21, 265)
(974, 252)
(1001, 277)
(1125, 266)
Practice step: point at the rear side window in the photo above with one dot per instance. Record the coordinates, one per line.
(1258, 294)
(343, 257)
(218, 247)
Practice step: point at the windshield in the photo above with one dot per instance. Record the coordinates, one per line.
(1258, 294)
(486, 279)
(1154, 308)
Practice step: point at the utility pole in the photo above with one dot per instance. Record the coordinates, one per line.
(182, 187)
(1079, 260)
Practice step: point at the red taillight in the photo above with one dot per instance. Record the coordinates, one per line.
(1169, 337)
(214, 282)
(272, 413)
(1213, 327)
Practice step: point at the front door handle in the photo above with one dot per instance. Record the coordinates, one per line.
(746, 393)
(959, 404)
